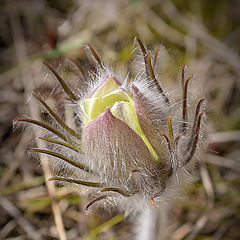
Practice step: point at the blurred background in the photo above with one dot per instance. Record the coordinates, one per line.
(203, 34)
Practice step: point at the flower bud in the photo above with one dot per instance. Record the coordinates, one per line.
(134, 142)
(110, 97)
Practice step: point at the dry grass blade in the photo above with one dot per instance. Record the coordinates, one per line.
(20, 219)
(182, 231)
(201, 222)
(209, 189)
(224, 228)
(104, 226)
(197, 30)
(223, 137)
(223, 162)
(12, 188)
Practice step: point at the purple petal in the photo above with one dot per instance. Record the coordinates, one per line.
(153, 121)
(114, 149)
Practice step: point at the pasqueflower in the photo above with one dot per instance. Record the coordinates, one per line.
(132, 144)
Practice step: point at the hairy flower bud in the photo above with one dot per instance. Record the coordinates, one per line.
(134, 142)
(110, 98)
